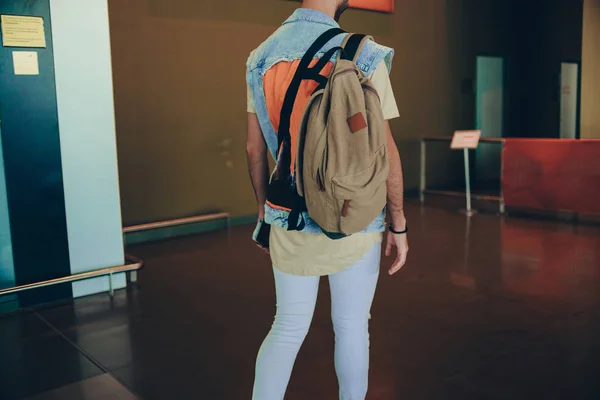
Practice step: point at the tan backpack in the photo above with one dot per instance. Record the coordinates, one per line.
(342, 163)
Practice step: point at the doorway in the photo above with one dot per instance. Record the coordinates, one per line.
(489, 118)
(569, 100)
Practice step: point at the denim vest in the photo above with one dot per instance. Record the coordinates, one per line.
(289, 43)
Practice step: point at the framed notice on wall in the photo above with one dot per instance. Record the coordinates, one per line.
(22, 31)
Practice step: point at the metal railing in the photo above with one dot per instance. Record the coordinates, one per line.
(423, 179)
(130, 269)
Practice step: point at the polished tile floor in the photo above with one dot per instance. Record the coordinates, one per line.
(97, 388)
(495, 308)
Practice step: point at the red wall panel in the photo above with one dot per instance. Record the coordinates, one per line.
(553, 175)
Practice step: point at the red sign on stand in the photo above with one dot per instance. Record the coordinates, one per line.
(465, 140)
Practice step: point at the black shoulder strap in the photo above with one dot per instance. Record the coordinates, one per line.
(352, 47)
(349, 50)
(295, 220)
(314, 73)
(292, 92)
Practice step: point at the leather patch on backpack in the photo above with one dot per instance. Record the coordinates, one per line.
(357, 122)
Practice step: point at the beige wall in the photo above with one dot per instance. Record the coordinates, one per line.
(180, 96)
(590, 79)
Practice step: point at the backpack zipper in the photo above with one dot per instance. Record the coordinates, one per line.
(319, 181)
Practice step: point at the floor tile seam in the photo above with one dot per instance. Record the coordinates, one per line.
(84, 353)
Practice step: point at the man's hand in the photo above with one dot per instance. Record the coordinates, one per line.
(400, 242)
(261, 217)
(263, 249)
(266, 251)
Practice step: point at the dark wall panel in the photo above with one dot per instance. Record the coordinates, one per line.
(32, 162)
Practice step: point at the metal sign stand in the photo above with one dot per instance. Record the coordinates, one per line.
(469, 212)
(466, 140)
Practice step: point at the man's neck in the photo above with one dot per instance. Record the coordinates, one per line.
(326, 7)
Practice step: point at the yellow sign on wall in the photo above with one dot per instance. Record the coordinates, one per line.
(26, 63)
(21, 31)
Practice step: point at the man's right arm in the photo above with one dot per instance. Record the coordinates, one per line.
(395, 188)
(258, 164)
(395, 184)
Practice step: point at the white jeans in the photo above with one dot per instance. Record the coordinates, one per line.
(352, 292)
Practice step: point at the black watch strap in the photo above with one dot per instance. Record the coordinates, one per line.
(395, 232)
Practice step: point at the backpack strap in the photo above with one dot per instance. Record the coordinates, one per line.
(295, 220)
(290, 96)
(314, 73)
(349, 50)
(353, 45)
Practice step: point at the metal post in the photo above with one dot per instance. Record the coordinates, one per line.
(111, 290)
(468, 179)
(133, 277)
(423, 166)
(502, 206)
(469, 211)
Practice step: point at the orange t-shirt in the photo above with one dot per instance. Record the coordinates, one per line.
(275, 83)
